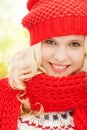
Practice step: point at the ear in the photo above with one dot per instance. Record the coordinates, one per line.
(30, 3)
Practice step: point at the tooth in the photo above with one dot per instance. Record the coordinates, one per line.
(60, 67)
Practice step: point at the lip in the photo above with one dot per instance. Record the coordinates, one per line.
(59, 68)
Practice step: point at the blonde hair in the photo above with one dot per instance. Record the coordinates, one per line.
(84, 68)
(25, 65)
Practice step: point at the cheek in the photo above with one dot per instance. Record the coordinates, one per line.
(78, 57)
(46, 52)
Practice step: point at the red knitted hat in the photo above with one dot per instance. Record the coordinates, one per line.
(50, 18)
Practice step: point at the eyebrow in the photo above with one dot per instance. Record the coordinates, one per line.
(77, 40)
(71, 40)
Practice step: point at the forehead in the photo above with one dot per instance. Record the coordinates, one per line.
(70, 37)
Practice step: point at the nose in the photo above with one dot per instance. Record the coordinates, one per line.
(61, 54)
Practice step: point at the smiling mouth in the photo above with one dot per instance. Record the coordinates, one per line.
(59, 68)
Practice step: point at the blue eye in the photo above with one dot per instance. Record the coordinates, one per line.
(49, 41)
(74, 44)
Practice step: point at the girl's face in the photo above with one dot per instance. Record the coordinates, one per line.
(64, 55)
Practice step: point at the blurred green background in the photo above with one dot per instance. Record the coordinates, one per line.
(13, 37)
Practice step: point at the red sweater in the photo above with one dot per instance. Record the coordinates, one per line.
(9, 106)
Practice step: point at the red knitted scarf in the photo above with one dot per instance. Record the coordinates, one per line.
(60, 94)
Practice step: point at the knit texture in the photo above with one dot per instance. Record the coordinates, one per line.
(60, 94)
(47, 121)
(49, 18)
(9, 106)
(55, 94)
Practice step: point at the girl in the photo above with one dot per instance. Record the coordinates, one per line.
(49, 79)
